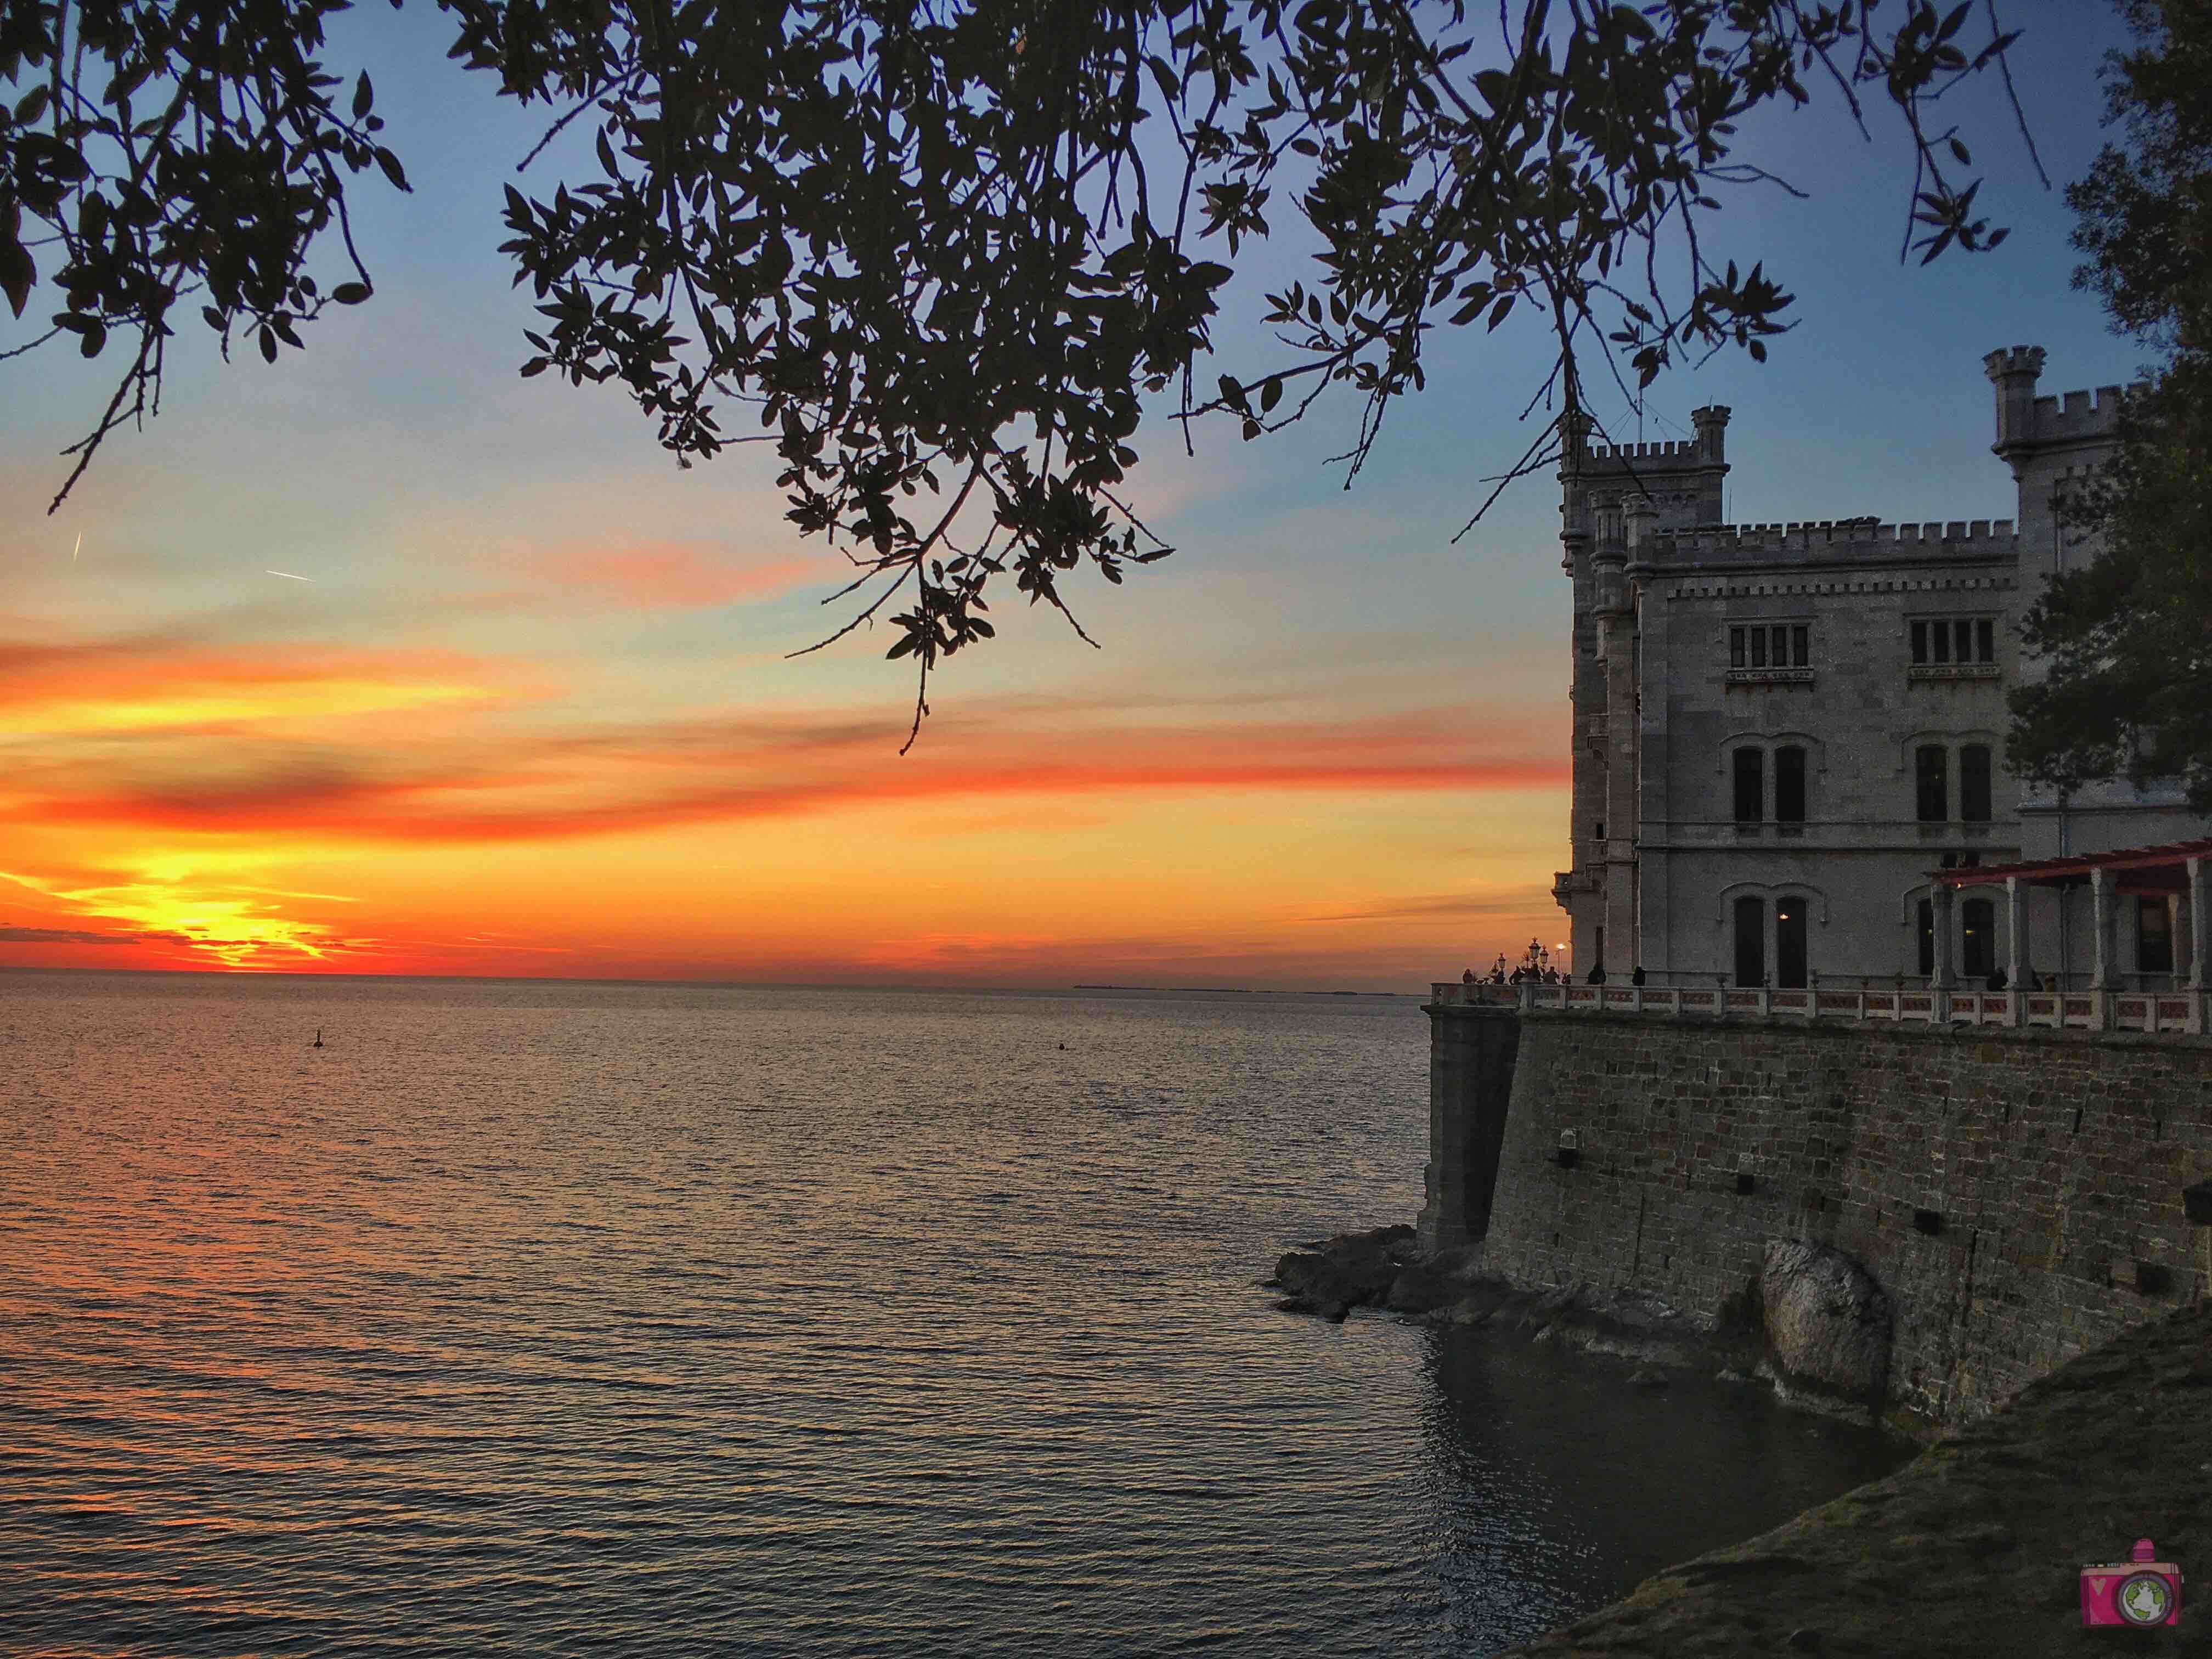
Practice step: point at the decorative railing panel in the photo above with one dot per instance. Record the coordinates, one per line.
(2166, 1013)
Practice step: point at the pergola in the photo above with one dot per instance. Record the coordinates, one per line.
(2174, 871)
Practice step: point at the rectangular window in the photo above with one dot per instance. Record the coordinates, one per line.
(1750, 787)
(1963, 639)
(1736, 648)
(1932, 783)
(1751, 941)
(1801, 640)
(2153, 937)
(1781, 647)
(1978, 956)
(1790, 943)
(1974, 783)
(1789, 785)
(1758, 647)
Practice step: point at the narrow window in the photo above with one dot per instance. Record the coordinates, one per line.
(1930, 773)
(1974, 783)
(1927, 936)
(1939, 636)
(1978, 955)
(1985, 641)
(1919, 643)
(1750, 787)
(1736, 648)
(1790, 942)
(1601, 830)
(1962, 631)
(1751, 941)
(1781, 647)
(1801, 641)
(1789, 785)
(2153, 937)
(1758, 647)
(1598, 955)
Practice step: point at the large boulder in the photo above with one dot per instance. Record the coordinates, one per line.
(1826, 1324)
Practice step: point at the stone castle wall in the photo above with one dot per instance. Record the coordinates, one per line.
(2016, 1193)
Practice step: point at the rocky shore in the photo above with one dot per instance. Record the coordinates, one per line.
(1972, 1549)
(1812, 1325)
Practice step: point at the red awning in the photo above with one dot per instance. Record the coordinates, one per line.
(2140, 869)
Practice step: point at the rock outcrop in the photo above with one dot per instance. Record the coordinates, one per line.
(1331, 1276)
(1826, 1326)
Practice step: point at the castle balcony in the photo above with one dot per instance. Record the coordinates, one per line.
(2178, 872)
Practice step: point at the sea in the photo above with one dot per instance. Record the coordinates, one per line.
(546, 1318)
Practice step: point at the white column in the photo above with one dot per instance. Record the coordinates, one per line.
(2016, 947)
(1944, 897)
(2200, 923)
(2100, 910)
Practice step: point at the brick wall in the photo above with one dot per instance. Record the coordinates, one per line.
(2052, 1164)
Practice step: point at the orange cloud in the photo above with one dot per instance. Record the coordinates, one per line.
(673, 576)
(625, 778)
(154, 682)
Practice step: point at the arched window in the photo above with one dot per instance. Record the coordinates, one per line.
(1789, 788)
(1750, 941)
(1931, 769)
(1974, 783)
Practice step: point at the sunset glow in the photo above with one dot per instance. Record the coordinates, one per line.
(381, 660)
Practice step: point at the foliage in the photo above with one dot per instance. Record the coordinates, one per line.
(940, 250)
(2129, 636)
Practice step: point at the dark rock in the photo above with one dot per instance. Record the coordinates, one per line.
(1419, 1289)
(1805, 1639)
(1353, 1269)
(1648, 1378)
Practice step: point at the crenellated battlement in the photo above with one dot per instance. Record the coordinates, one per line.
(1686, 452)
(2076, 414)
(1870, 536)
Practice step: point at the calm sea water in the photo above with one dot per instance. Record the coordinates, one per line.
(614, 1319)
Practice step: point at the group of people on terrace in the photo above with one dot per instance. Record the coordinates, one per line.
(1535, 969)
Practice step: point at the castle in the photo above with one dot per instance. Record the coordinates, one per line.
(1782, 731)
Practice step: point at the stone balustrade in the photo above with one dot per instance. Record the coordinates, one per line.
(2158, 1012)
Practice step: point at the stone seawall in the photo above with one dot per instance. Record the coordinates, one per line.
(2016, 1195)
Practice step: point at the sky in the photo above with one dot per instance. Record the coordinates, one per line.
(523, 701)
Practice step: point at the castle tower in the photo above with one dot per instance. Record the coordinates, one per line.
(1614, 499)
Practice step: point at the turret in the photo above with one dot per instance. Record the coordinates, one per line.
(1711, 424)
(2013, 373)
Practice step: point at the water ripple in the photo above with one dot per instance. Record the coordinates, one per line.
(539, 1319)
